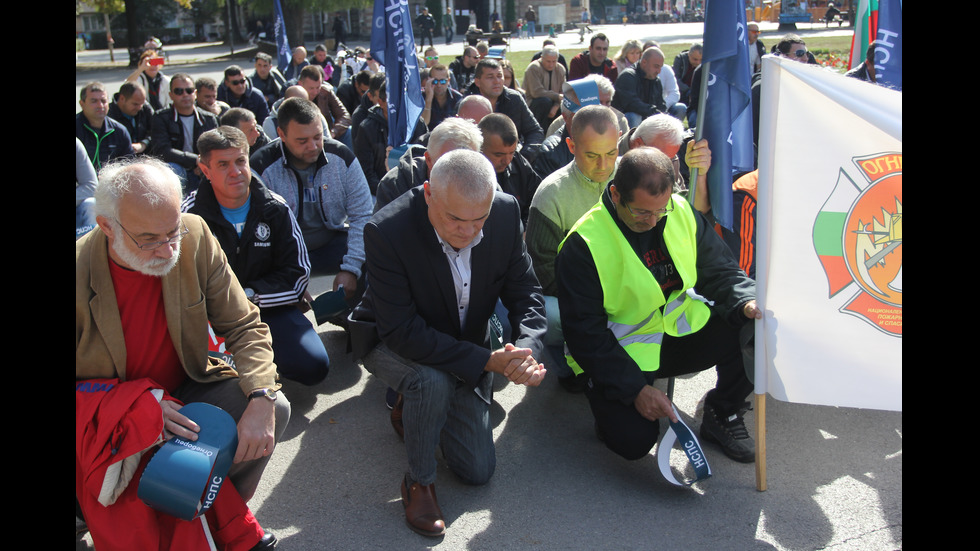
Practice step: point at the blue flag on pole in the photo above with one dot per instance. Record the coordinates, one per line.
(727, 113)
(393, 45)
(888, 50)
(282, 42)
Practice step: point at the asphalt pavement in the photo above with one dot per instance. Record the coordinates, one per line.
(834, 475)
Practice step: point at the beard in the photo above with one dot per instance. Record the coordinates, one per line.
(158, 267)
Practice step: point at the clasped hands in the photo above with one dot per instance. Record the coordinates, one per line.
(517, 365)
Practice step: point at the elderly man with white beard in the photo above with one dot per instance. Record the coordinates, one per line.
(148, 283)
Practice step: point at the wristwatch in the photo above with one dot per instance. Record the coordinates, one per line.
(263, 393)
(250, 294)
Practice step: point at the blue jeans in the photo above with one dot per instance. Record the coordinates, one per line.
(327, 259)
(440, 410)
(299, 352)
(346, 139)
(531, 28)
(678, 111)
(449, 35)
(634, 119)
(189, 181)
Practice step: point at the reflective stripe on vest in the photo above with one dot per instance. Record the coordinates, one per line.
(632, 297)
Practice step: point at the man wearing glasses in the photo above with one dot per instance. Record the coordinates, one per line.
(464, 68)
(623, 274)
(756, 48)
(237, 91)
(793, 47)
(440, 99)
(148, 283)
(175, 130)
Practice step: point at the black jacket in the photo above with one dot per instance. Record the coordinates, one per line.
(410, 302)
(271, 88)
(554, 154)
(139, 127)
(167, 135)
(371, 144)
(103, 144)
(464, 77)
(511, 103)
(410, 172)
(252, 99)
(583, 317)
(637, 94)
(521, 181)
(269, 257)
(347, 94)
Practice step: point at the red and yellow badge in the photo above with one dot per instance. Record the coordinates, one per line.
(858, 238)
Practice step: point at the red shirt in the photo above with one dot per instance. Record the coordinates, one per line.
(149, 351)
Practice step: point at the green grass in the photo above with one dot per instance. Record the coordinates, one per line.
(827, 50)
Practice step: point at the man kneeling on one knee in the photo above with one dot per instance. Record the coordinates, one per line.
(438, 259)
(623, 274)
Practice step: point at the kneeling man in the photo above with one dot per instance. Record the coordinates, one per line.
(438, 259)
(623, 277)
(264, 246)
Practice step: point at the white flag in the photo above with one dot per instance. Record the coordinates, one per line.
(829, 267)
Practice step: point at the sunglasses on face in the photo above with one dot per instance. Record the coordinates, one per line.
(440, 81)
(800, 53)
(182, 91)
(236, 82)
(431, 57)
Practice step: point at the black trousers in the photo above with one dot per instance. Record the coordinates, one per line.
(631, 435)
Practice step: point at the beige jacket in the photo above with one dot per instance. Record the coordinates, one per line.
(200, 288)
(536, 81)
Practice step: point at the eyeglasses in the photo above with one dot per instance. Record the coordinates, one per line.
(645, 214)
(236, 82)
(182, 91)
(440, 81)
(156, 244)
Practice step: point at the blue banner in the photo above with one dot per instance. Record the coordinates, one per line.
(888, 46)
(393, 45)
(727, 114)
(282, 41)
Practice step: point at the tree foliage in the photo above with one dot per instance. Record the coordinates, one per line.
(293, 11)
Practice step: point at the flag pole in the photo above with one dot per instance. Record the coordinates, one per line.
(760, 442)
(699, 129)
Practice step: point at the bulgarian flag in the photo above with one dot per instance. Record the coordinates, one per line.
(827, 231)
(865, 30)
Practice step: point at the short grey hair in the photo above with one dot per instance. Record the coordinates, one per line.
(468, 172)
(147, 176)
(455, 133)
(660, 127)
(549, 51)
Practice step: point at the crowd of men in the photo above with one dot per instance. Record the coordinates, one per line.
(520, 228)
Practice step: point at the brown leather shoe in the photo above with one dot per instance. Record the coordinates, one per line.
(396, 417)
(422, 513)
